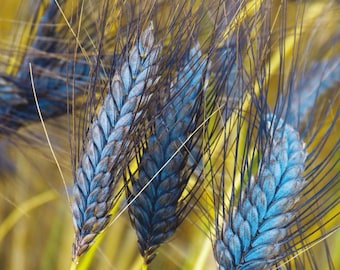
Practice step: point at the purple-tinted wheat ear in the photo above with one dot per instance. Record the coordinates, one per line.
(56, 76)
(96, 178)
(250, 239)
(156, 206)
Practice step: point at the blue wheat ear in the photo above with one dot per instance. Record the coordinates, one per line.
(319, 78)
(317, 214)
(156, 203)
(107, 140)
(252, 236)
(56, 76)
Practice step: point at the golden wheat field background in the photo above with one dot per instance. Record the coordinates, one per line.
(36, 229)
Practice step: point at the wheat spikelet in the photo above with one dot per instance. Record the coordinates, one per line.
(106, 142)
(155, 211)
